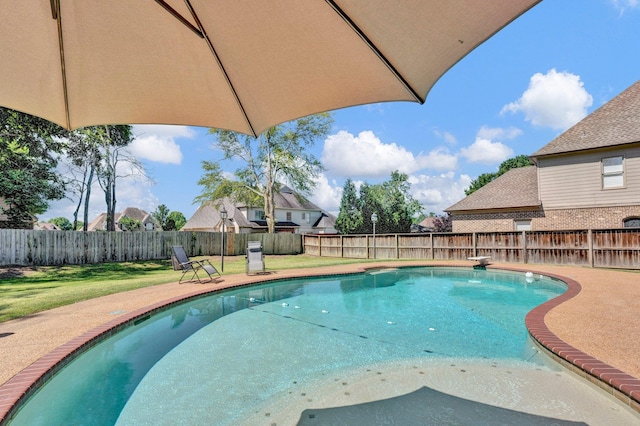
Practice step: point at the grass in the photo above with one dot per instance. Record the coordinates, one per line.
(51, 286)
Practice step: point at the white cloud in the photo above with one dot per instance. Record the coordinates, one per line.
(157, 143)
(448, 137)
(437, 159)
(436, 193)
(485, 151)
(622, 5)
(327, 195)
(365, 155)
(556, 99)
(498, 132)
(378, 107)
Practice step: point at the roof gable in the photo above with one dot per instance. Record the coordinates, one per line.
(516, 188)
(616, 122)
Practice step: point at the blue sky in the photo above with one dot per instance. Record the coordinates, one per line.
(512, 95)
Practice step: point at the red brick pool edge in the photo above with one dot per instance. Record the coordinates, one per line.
(620, 384)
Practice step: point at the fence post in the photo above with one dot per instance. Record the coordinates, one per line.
(590, 257)
(525, 259)
(433, 255)
(474, 242)
(341, 246)
(397, 247)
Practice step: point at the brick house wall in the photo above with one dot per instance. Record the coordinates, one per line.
(588, 218)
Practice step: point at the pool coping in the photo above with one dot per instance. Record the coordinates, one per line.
(623, 386)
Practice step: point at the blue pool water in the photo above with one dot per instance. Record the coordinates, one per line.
(214, 359)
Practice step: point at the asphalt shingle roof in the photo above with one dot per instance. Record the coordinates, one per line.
(208, 215)
(516, 188)
(616, 122)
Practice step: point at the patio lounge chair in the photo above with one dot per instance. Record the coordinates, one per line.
(182, 263)
(255, 257)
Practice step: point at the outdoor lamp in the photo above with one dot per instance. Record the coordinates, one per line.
(223, 215)
(374, 219)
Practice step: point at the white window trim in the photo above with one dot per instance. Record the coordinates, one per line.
(612, 171)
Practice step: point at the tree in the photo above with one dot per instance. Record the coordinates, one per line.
(399, 206)
(83, 152)
(28, 181)
(391, 201)
(169, 221)
(160, 214)
(115, 162)
(175, 221)
(443, 223)
(129, 224)
(98, 153)
(349, 219)
(279, 155)
(62, 223)
(505, 166)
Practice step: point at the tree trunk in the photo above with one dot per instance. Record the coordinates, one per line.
(269, 210)
(82, 191)
(87, 197)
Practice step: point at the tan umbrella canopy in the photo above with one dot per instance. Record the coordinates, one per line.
(234, 64)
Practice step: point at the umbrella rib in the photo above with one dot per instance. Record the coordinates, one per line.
(55, 14)
(375, 50)
(203, 34)
(180, 18)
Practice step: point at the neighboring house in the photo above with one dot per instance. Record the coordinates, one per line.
(427, 225)
(148, 222)
(45, 226)
(586, 178)
(294, 214)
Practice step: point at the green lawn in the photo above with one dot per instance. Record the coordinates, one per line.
(52, 286)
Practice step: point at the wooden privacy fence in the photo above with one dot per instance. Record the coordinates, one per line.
(27, 247)
(602, 248)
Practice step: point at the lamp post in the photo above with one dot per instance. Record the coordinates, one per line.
(223, 215)
(374, 219)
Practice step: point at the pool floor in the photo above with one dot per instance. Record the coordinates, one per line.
(448, 391)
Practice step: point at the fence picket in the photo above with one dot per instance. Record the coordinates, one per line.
(29, 247)
(607, 248)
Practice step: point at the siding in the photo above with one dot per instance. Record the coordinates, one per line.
(576, 181)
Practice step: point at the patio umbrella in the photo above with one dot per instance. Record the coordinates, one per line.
(237, 64)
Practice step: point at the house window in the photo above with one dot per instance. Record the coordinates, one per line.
(289, 216)
(613, 172)
(259, 215)
(149, 226)
(632, 222)
(523, 225)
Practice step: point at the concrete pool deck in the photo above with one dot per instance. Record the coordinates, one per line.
(600, 321)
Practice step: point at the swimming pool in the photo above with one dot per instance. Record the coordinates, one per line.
(252, 351)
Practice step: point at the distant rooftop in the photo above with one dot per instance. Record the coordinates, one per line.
(516, 188)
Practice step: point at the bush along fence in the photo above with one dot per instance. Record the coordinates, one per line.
(37, 248)
(602, 248)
